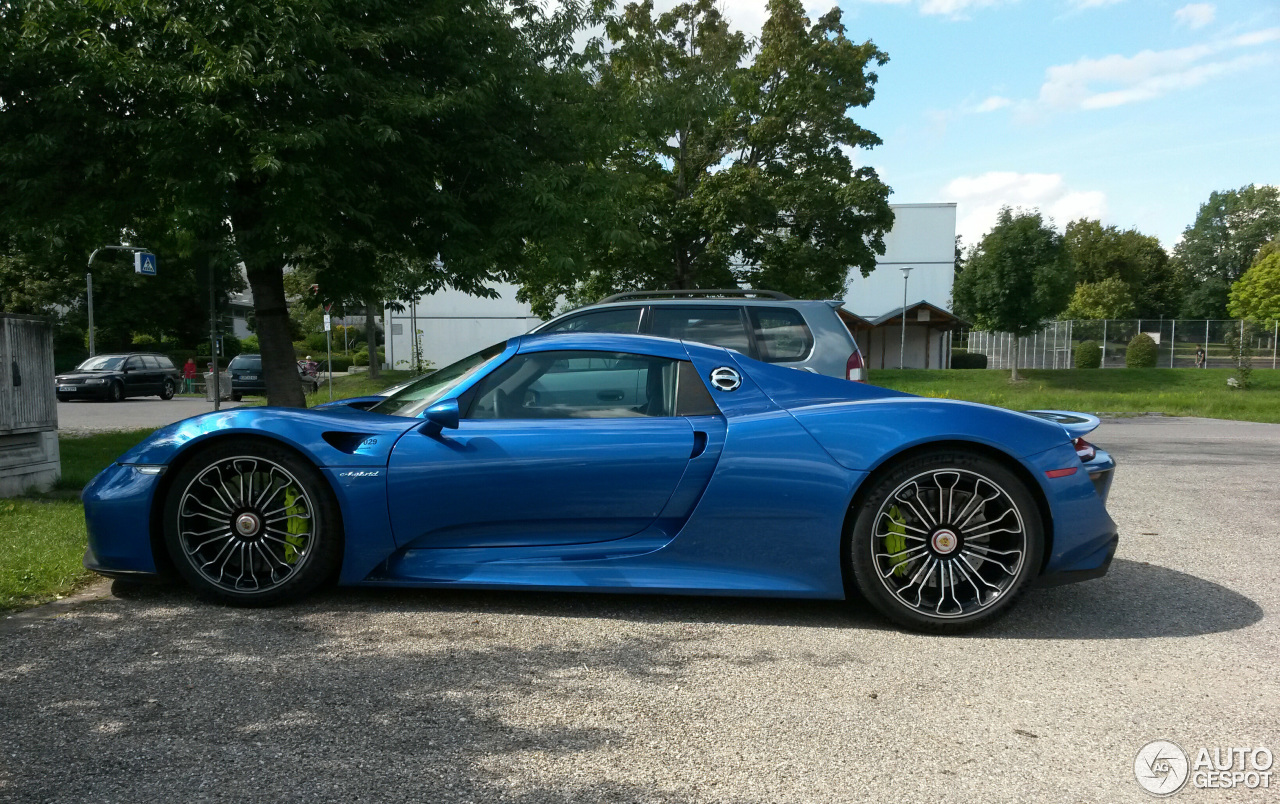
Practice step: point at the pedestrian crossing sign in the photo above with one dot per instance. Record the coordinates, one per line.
(144, 263)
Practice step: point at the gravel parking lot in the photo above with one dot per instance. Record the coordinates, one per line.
(367, 695)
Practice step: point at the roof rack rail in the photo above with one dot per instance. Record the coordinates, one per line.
(672, 294)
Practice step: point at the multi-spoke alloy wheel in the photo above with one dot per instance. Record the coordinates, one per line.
(950, 539)
(249, 524)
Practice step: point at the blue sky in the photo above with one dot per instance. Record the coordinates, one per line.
(1128, 110)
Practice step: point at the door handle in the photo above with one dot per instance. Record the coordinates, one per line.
(609, 396)
(699, 444)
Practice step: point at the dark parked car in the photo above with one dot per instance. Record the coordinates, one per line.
(247, 377)
(117, 376)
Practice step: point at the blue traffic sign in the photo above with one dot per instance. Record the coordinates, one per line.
(144, 263)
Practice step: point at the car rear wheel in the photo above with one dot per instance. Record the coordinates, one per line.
(946, 541)
(115, 392)
(252, 524)
(168, 390)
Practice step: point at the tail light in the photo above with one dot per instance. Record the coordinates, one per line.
(1085, 450)
(853, 367)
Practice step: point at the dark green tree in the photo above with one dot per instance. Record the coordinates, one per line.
(1099, 253)
(725, 163)
(285, 127)
(1017, 277)
(1220, 246)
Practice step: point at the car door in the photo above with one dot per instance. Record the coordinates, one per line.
(553, 448)
(155, 374)
(135, 377)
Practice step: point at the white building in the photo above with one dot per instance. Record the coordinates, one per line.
(454, 325)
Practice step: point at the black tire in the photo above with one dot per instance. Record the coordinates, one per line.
(115, 392)
(169, 390)
(263, 554)
(63, 398)
(982, 567)
(235, 397)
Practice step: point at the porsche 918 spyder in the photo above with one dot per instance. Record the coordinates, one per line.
(618, 463)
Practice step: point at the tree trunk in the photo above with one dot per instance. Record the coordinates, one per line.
(371, 336)
(279, 365)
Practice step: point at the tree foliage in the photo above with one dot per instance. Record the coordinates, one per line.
(291, 131)
(1099, 253)
(1016, 277)
(1222, 243)
(1256, 295)
(725, 163)
(1108, 298)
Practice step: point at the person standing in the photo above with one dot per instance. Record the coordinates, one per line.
(189, 375)
(1201, 361)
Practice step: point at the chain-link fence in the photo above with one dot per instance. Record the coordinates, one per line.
(1177, 341)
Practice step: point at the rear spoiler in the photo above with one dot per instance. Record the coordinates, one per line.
(1077, 425)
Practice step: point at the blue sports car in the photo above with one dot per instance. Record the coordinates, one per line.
(596, 462)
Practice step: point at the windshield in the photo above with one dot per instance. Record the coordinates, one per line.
(101, 363)
(420, 394)
(246, 362)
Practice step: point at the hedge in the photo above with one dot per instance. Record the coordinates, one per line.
(967, 360)
(1142, 352)
(1088, 355)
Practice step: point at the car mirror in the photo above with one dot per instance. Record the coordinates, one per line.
(442, 415)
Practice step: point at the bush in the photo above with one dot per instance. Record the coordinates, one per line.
(961, 359)
(340, 363)
(316, 343)
(1142, 352)
(143, 342)
(361, 358)
(250, 346)
(1088, 355)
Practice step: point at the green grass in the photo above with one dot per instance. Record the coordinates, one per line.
(85, 456)
(351, 385)
(41, 546)
(1174, 392)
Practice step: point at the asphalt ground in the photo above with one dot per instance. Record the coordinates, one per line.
(85, 416)
(372, 695)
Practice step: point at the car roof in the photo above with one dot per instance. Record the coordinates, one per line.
(604, 342)
(706, 302)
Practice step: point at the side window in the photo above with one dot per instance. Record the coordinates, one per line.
(577, 385)
(718, 326)
(134, 362)
(165, 363)
(781, 334)
(150, 362)
(625, 320)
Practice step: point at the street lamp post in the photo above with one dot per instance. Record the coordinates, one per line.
(88, 280)
(902, 346)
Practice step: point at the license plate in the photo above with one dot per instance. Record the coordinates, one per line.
(248, 376)
(66, 388)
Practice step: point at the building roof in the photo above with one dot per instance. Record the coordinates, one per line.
(936, 314)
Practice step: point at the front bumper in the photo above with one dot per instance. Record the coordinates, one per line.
(82, 391)
(117, 514)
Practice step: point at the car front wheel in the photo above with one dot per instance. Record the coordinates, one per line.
(115, 392)
(251, 524)
(946, 541)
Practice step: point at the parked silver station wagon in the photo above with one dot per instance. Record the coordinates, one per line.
(763, 324)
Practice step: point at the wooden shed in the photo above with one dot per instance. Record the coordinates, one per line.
(28, 405)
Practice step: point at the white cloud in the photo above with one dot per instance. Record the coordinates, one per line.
(1116, 80)
(1195, 15)
(991, 104)
(956, 9)
(980, 198)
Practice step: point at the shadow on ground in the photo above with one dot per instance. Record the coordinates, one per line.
(1135, 600)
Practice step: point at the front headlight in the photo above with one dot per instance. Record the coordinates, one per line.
(95, 381)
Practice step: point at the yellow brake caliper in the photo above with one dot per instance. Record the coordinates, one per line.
(895, 541)
(297, 527)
